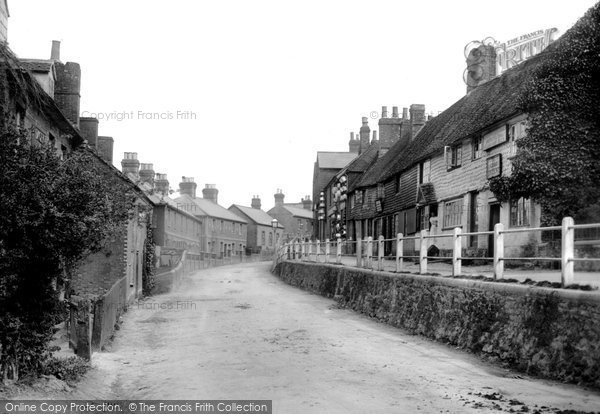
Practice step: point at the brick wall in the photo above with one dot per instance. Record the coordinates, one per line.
(545, 332)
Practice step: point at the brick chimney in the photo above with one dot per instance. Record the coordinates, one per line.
(161, 184)
(394, 112)
(147, 174)
(105, 148)
(210, 192)
(279, 198)
(384, 113)
(417, 118)
(353, 144)
(255, 202)
(89, 130)
(365, 133)
(307, 203)
(68, 85)
(188, 186)
(389, 130)
(130, 165)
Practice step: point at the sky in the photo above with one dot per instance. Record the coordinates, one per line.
(242, 94)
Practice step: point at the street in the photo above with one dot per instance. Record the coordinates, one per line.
(238, 332)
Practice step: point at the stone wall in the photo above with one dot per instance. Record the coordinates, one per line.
(544, 332)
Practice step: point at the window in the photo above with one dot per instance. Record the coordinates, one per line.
(476, 148)
(270, 239)
(380, 191)
(516, 131)
(520, 212)
(359, 197)
(398, 183)
(262, 238)
(352, 197)
(453, 213)
(221, 227)
(453, 156)
(425, 172)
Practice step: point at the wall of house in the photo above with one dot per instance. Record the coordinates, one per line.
(225, 237)
(178, 230)
(134, 251)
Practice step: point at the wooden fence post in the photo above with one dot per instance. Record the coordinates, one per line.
(358, 252)
(338, 251)
(567, 251)
(423, 252)
(370, 252)
(456, 252)
(380, 253)
(498, 251)
(327, 250)
(399, 252)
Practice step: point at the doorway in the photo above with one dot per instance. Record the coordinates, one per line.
(494, 219)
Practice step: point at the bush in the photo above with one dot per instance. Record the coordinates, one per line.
(69, 370)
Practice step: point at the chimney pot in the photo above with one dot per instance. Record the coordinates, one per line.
(374, 136)
(394, 112)
(211, 193)
(404, 113)
(365, 121)
(384, 113)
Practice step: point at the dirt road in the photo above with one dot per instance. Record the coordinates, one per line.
(237, 332)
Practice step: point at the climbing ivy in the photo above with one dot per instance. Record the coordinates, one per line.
(557, 162)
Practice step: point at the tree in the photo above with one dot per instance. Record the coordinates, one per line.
(557, 162)
(53, 213)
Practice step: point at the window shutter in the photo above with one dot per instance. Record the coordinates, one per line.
(459, 155)
(448, 157)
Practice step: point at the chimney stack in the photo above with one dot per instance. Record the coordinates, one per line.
(307, 203)
(187, 186)
(389, 131)
(394, 112)
(365, 133)
(105, 148)
(147, 174)
(67, 90)
(417, 118)
(55, 52)
(210, 192)
(255, 202)
(130, 165)
(161, 184)
(404, 113)
(384, 111)
(89, 130)
(279, 198)
(374, 139)
(353, 144)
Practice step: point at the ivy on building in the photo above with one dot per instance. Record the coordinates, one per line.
(54, 213)
(557, 162)
(148, 281)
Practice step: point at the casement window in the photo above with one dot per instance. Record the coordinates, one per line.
(476, 148)
(352, 198)
(380, 191)
(359, 197)
(262, 238)
(425, 172)
(453, 156)
(516, 131)
(520, 212)
(453, 213)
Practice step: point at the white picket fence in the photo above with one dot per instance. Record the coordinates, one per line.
(332, 251)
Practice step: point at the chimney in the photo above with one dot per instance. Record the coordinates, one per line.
(105, 148)
(353, 144)
(394, 112)
(374, 139)
(481, 66)
(210, 192)
(307, 203)
(389, 131)
(187, 186)
(365, 133)
(404, 113)
(384, 111)
(279, 198)
(147, 174)
(161, 184)
(55, 53)
(130, 165)
(417, 118)
(255, 202)
(89, 130)
(67, 90)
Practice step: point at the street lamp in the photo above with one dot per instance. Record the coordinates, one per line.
(274, 224)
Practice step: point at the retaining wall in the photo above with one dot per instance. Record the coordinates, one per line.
(545, 332)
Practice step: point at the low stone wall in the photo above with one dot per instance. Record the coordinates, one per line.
(544, 332)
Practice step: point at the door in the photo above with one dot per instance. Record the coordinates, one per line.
(494, 219)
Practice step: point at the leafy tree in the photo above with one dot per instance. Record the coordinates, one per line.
(53, 213)
(557, 163)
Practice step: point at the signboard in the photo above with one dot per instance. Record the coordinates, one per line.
(378, 206)
(494, 166)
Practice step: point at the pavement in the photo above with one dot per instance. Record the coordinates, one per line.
(238, 332)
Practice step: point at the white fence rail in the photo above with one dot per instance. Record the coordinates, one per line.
(332, 251)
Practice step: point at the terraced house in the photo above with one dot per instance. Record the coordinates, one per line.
(439, 179)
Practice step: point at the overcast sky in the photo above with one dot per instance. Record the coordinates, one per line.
(269, 83)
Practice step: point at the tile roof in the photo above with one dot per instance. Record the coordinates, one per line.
(256, 215)
(486, 105)
(337, 160)
(299, 212)
(210, 209)
(37, 65)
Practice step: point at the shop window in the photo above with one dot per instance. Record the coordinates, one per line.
(453, 213)
(520, 212)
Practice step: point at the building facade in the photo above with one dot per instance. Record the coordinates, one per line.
(261, 235)
(296, 218)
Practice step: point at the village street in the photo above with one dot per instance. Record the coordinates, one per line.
(238, 332)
